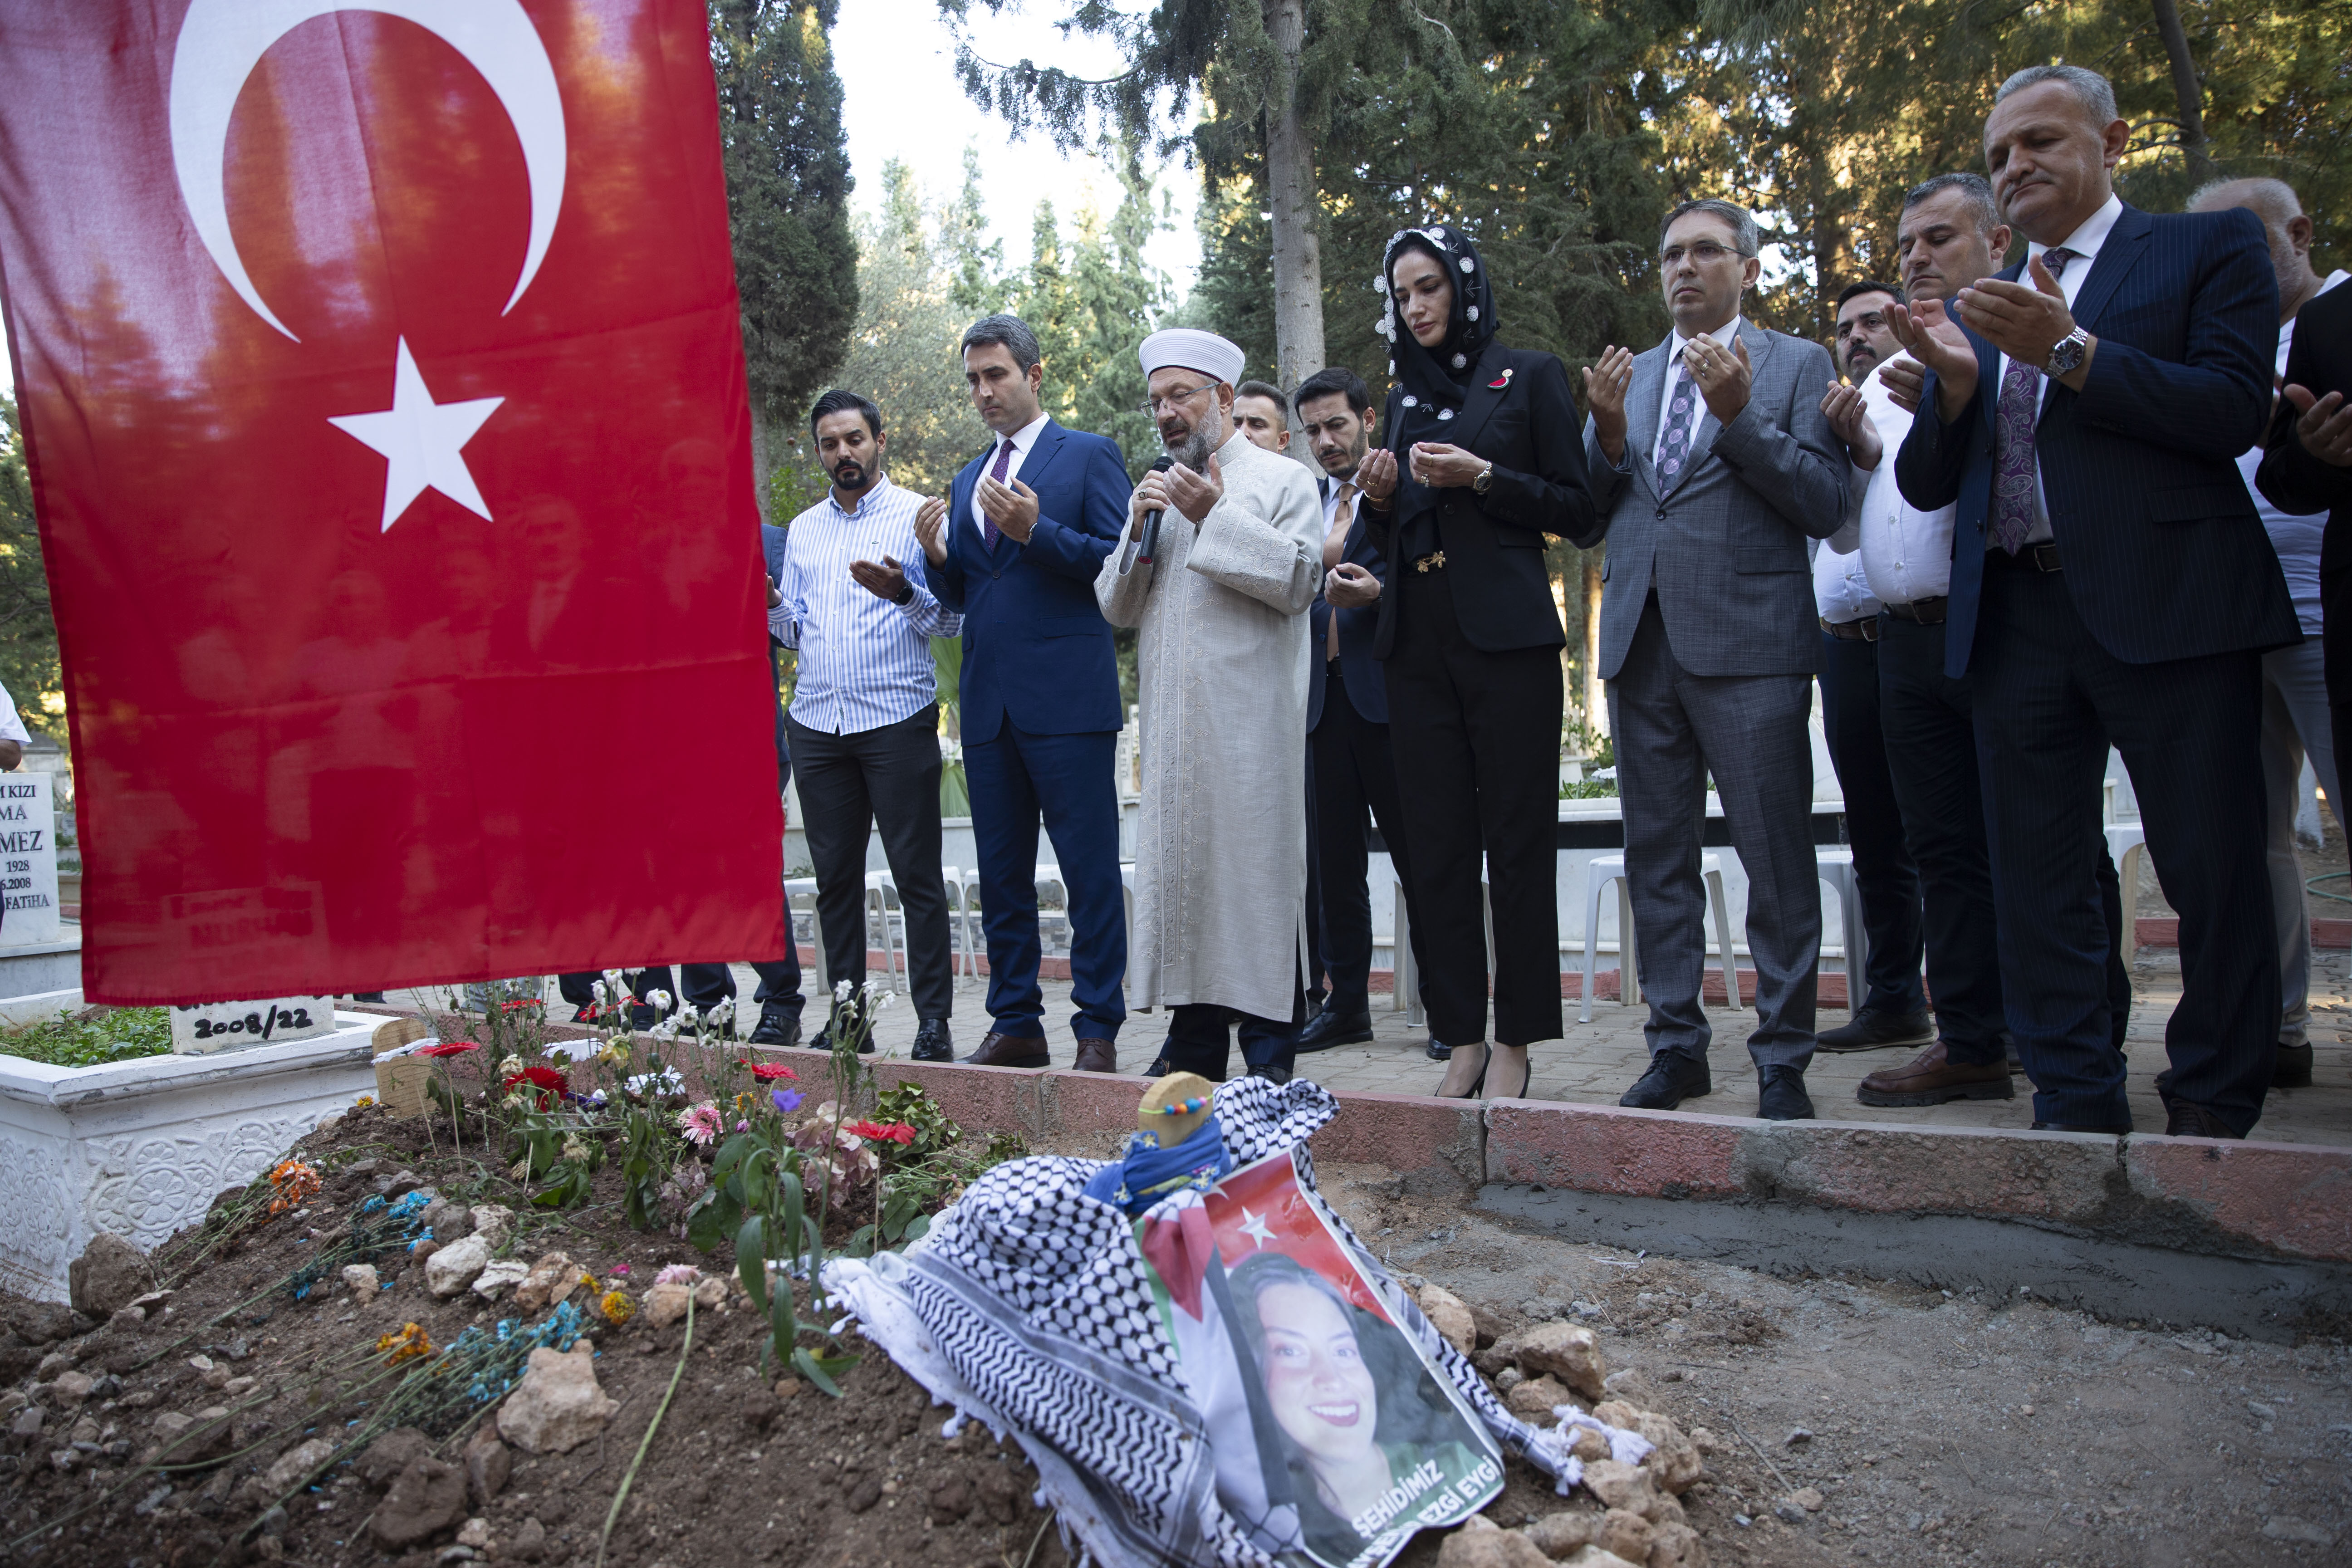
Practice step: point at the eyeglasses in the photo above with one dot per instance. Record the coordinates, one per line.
(1705, 252)
(1152, 405)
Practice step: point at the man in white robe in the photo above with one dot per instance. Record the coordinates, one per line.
(1221, 849)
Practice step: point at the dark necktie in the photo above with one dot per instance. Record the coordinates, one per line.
(2019, 408)
(1682, 417)
(989, 532)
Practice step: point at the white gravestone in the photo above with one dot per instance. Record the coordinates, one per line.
(232, 1026)
(28, 860)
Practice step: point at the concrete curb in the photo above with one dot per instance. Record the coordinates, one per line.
(2189, 1194)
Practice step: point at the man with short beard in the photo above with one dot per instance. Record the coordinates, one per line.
(1946, 238)
(1219, 587)
(864, 719)
(1889, 1006)
(1351, 769)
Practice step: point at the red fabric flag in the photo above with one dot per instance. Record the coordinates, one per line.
(384, 398)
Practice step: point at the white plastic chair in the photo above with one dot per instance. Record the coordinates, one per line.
(1598, 874)
(881, 904)
(1406, 997)
(806, 887)
(1837, 875)
(963, 887)
(2127, 843)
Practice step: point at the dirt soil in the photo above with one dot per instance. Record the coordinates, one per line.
(1932, 1429)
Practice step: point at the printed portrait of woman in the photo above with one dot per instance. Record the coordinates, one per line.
(1367, 1436)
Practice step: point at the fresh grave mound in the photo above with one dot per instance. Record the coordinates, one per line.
(397, 1347)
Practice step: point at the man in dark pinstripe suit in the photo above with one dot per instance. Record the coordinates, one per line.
(2111, 581)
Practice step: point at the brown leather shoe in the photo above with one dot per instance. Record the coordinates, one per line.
(1931, 1077)
(1096, 1056)
(1010, 1051)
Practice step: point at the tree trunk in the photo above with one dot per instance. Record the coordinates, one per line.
(1290, 175)
(2186, 91)
(761, 465)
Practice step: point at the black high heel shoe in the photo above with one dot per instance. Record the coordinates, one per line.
(1476, 1089)
(1526, 1078)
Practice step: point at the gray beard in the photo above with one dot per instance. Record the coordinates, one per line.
(1205, 439)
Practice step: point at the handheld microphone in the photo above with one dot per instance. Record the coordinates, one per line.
(1150, 541)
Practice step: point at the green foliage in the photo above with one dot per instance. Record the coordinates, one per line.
(788, 186)
(28, 636)
(92, 1038)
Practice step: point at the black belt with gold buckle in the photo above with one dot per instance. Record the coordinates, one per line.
(1863, 630)
(1434, 560)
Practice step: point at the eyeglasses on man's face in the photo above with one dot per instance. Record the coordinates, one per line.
(1705, 252)
(1152, 407)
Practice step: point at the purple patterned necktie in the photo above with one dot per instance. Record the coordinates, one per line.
(1682, 414)
(2019, 408)
(989, 532)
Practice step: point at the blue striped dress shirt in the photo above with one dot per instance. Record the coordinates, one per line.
(863, 661)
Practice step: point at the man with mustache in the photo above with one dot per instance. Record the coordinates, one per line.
(2110, 581)
(1890, 1008)
(865, 719)
(1221, 598)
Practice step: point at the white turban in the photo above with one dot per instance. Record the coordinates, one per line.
(1189, 348)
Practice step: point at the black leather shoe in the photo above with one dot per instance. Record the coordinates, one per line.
(1781, 1095)
(1873, 1029)
(1672, 1078)
(2116, 1130)
(1161, 1067)
(1273, 1072)
(2183, 1120)
(1438, 1050)
(933, 1042)
(779, 1026)
(1330, 1028)
(840, 1021)
(2291, 1068)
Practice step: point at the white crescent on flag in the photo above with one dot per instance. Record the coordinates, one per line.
(221, 41)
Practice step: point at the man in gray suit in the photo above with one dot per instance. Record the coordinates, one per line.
(1712, 464)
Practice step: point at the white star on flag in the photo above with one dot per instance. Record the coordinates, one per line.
(422, 442)
(1254, 1227)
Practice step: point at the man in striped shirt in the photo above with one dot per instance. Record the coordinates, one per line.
(864, 719)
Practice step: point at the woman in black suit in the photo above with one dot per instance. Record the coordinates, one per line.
(1483, 459)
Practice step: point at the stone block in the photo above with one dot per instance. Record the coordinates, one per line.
(1086, 1103)
(1432, 1142)
(2208, 1194)
(2062, 1178)
(1607, 1149)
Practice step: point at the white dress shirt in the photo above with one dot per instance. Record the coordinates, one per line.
(1724, 335)
(1840, 589)
(1023, 440)
(863, 661)
(1906, 554)
(2296, 539)
(2085, 242)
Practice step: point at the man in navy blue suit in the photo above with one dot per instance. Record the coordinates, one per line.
(1351, 768)
(1015, 548)
(2111, 582)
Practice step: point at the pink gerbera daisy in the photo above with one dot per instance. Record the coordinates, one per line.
(701, 1124)
(679, 1274)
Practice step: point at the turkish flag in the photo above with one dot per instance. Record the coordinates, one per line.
(383, 396)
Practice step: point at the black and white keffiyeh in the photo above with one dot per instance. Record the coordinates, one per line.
(1029, 1307)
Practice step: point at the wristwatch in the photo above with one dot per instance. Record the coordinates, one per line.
(1484, 481)
(2066, 354)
